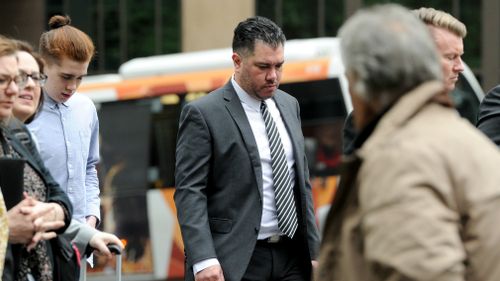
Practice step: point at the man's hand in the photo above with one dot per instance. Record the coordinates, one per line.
(92, 221)
(100, 241)
(211, 273)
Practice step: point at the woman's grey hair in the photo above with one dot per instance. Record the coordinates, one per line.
(389, 51)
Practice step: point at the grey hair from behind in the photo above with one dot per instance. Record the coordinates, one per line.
(389, 51)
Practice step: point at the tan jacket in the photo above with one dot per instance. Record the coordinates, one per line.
(425, 204)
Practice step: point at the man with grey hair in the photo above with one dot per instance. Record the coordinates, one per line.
(419, 197)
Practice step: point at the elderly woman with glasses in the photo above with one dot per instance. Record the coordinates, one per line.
(45, 209)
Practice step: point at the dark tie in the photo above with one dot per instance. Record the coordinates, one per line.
(283, 189)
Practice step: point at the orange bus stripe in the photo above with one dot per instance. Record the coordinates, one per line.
(203, 81)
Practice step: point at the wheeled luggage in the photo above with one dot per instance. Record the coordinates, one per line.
(115, 249)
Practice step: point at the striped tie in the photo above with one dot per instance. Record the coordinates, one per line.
(283, 189)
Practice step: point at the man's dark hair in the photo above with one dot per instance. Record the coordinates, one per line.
(257, 28)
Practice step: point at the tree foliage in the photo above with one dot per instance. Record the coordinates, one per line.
(298, 18)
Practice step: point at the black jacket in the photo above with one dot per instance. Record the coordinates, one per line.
(489, 115)
(21, 141)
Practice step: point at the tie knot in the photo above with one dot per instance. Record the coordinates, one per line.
(263, 106)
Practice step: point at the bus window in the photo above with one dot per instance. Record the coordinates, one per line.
(123, 170)
(322, 112)
(164, 129)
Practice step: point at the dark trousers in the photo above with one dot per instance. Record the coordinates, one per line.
(283, 261)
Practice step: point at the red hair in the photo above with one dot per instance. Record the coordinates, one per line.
(64, 40)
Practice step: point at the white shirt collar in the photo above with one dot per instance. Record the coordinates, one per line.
(245, 97)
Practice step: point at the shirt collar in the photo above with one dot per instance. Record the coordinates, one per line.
(245, 97)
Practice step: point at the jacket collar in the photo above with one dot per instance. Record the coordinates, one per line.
(21, 149)
(404, 109)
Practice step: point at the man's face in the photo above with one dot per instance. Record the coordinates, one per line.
(259, 74)
(63, 79)
(451, 48)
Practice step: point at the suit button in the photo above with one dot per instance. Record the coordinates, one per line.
(256, 230)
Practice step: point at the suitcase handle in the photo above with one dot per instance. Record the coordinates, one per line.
(115, 249)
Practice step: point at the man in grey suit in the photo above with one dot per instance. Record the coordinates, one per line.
(235, 148)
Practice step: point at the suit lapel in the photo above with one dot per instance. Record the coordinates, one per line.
(235, 109)
(293, 128)
(289, 118)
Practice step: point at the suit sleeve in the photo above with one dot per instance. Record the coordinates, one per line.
(488, 120)
(193, 164)
(312, 227)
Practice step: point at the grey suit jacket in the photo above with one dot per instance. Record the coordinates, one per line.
(219, 181)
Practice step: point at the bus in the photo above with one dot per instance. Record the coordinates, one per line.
(139, 110)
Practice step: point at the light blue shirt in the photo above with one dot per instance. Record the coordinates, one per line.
(68, 139)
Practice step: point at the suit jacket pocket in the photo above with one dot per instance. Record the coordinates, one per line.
(220, 225)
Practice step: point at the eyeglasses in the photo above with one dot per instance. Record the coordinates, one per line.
(38, 78)
(19, 79)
